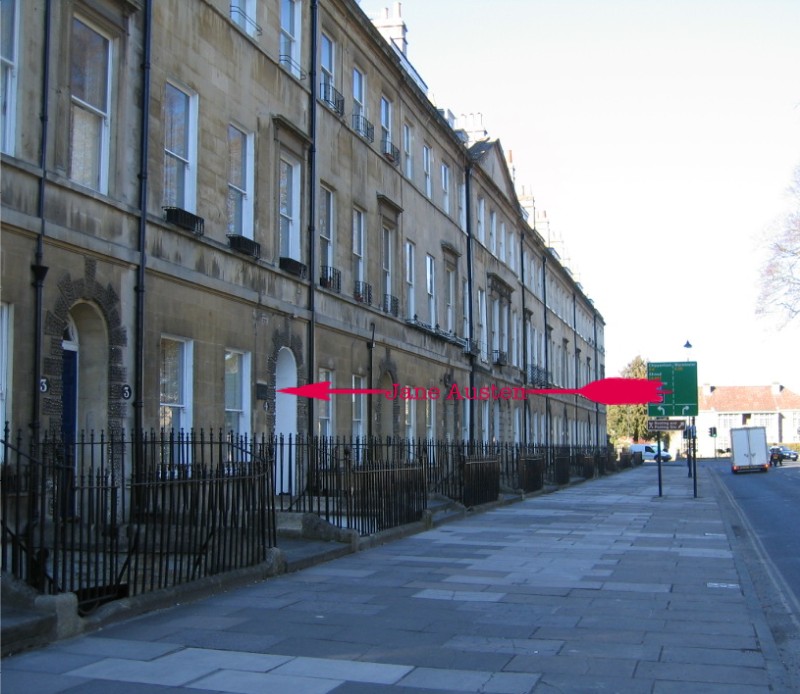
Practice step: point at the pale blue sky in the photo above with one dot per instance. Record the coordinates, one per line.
(659, 136)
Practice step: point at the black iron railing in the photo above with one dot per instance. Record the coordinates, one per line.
(332, 98)
(330, 278)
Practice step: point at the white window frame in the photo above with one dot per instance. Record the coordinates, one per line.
(495, 326)
(358, 407)
(450, 299)
(327, 60)
(94, 110)
(359, 260)
(503, 242)
(512, 253)
(387, 260)
(9, 65)
(430, 287)
(386, 121)
(290, 34)
(482, 325)
(359, 93)
(242, 192)
(446, 188)
(430, 419)
(410, 272)
(326, 412)
(184, 406)
(464, 308)
(243, 15)
(241, 409)
(427, 162)
(187, 161)
(289, 220)
(327, 223)
(493, 232)
(481, 221)
(410, 412)
(408, 155)
(462, 206)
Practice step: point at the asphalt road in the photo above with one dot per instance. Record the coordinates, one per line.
(770, 503)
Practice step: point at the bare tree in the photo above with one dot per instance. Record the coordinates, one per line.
(780, 276)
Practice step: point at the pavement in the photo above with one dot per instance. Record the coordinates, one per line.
(599, 587)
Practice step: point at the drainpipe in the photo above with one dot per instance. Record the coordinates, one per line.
(470, 315)
(38, 268)
(138, 388)
(312, 230)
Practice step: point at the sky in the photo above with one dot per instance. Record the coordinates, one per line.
(660, 137)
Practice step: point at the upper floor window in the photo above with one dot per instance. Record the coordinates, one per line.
(408, 157)
(289, 207)
(481, 221)
(290, 35)
(243, 14)
(503, 241)
(430, 271)
(90, 98)
(446, 188)
(240, 182)
(180, 148)
(326, 61)
(450, 299)
(358, 245)
(326, 227)
(410, 272)
(359, 93)
(388, 262)
(493, 232)
(386, 120)
(426, 170)
(8, 74)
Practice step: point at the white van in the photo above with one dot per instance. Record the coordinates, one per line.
(649, 452)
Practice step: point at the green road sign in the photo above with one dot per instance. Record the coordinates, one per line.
(680, 377)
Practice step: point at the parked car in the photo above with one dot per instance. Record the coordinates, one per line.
(649, 452)
(785, 453)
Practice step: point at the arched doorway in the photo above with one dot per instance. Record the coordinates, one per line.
(285, 420)
(84, 372)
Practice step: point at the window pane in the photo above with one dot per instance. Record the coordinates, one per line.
(171, 372)
(176, 125)
(236, 157)
(174, 181)
(233, 381)
(89, 65)
(84, 163)
(7, 8)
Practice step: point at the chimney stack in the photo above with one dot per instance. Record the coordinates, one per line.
(393, 28)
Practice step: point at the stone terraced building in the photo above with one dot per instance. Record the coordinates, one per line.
(205, 201)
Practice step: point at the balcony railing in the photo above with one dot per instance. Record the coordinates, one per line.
(331, 98)
(245, 21)
(330, 278)
(292, 66)
(499, 357)
(363, 127)
(537, 376)
(391, 305)
(185, 220)
(390, 152)
(362, 293)
(242, 244)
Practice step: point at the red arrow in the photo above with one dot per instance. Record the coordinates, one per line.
(322, 391)
(614, 391)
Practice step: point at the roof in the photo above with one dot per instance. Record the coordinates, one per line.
(747, 399)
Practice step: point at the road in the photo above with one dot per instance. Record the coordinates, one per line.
(771, 505)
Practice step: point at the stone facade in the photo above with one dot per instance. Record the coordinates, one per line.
(305, 214)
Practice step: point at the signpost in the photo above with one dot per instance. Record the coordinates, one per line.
(680, 400)
(680, 378)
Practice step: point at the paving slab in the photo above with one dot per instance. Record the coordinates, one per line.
(598, 587)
